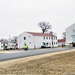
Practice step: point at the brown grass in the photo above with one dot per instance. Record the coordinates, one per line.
(48, 64)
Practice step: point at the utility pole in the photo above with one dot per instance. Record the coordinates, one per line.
(52, 37)
(9, 42)
(52, 41)
(19, 42)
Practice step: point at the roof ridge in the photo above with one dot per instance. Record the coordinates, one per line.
(40, 34)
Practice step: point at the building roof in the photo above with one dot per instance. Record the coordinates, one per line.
(1, 40)
(70, 26)
(61, 40)
(40, 34)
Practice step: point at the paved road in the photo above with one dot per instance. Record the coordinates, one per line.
(21, 54)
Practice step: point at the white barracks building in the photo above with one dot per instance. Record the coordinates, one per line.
(36, 40)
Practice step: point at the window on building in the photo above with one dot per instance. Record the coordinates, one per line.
(29, 42)
(73, 30)
(24, 38)
(29, 36)
(1, 46)
(49, 37)
(44, 37)
(54, 43)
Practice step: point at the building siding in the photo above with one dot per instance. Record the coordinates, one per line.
(70, 33)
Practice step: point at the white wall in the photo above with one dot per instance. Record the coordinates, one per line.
(38, 41)
(69, 33)
(28, 41)
(60, 43)
(32, 41)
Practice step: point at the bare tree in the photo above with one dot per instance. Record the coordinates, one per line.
(14, 39)
(12, 43)
(44, 26)
(5, 43)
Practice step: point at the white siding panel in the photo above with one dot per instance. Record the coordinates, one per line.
(69, 33)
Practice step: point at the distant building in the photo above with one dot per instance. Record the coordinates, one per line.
(1, 44)
(36, 40)
(61, 41)
(70, 34)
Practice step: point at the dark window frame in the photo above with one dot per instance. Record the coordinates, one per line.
(49, 38)
(24, 38)
(44, 37)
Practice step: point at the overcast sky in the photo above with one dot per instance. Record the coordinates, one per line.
(17, 16)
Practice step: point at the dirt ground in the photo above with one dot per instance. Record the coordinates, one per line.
(58, 63)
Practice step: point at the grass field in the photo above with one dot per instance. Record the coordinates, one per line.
(48, 64)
